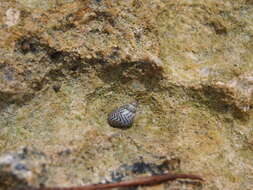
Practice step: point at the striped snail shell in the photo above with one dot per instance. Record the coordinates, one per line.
(123, 116)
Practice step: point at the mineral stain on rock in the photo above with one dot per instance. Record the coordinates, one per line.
(142, 167)
(12, 17)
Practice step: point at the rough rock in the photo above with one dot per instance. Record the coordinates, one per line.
(21, 169)
(65, 64)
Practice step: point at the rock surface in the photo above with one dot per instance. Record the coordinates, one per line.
(66, 64)
(19, 169)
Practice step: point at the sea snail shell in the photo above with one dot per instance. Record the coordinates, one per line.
(123, 116)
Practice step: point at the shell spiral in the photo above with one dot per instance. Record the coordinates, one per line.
(123, 116)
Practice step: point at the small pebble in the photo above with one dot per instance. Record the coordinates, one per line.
(56, 87)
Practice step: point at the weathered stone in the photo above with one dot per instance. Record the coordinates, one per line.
(187, 63)
(22, 169)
